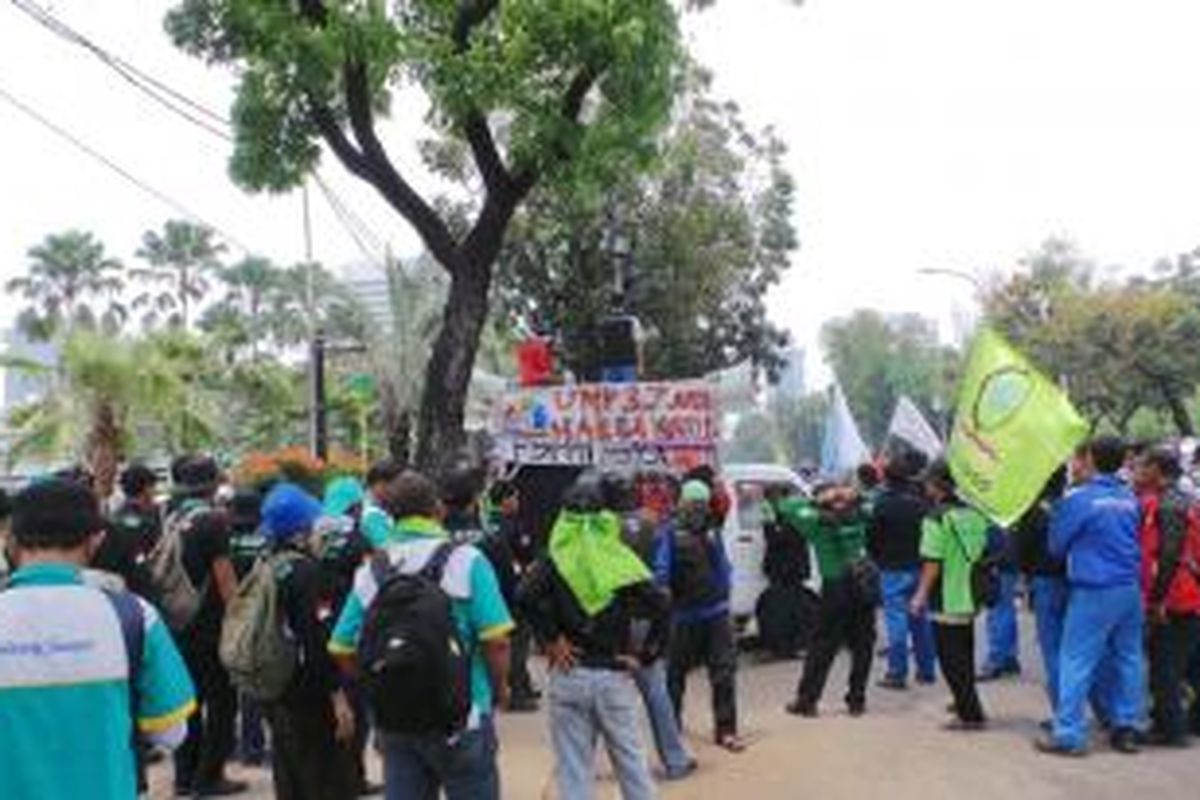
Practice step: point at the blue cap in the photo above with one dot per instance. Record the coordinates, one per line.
(289, 511)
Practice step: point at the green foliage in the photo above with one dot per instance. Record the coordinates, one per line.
(182, 260)
(107, 394)
(71, 282)
(709, 231)
(519, 60)
(1125, 351)
(879, 358)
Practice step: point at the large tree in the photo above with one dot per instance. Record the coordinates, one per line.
(71, 282)
(879, 358)
(536, 91)
(691, 248)
(1120, 347)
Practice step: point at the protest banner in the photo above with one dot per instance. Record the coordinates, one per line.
(669, 425)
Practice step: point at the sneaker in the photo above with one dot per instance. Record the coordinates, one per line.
(801, 709)
(222, 788)
(1052, 747)
(997, 673)
(892, 684)
(1125, 740)
(682, 772)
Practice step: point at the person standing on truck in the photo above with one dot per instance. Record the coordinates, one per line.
(691, 562)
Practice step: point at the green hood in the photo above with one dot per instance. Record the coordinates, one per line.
(593, 559)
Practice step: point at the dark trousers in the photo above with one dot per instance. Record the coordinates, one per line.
(710, 643)
(519, 680)
(200, 761)
(362, 732)
(842, 621)
(1171, 645)
(306, 762)
(252, 735)
(956, 655)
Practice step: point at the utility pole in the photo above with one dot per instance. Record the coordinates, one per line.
(318, 426)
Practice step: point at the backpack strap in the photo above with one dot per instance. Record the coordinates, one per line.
(435, 567)
(133, 633)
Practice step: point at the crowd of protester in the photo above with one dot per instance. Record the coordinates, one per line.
(284, 626)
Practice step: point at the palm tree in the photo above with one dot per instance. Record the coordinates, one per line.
(68, 273)
(242, 316)
(109, 394)
(181, 259)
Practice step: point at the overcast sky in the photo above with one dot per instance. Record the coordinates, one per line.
(923, 133)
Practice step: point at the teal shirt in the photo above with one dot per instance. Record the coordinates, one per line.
(479, 609)
(376, 525)
(65, 727)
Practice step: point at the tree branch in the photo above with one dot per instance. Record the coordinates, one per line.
(369, 160)
(475, 127)
(384, 176)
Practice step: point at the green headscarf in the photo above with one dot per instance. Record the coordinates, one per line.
(593, 559)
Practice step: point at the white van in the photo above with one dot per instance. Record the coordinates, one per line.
(745, 542)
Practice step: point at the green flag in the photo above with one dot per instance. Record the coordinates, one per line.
(1013, 429)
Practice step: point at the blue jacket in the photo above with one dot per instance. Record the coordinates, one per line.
(696, 573)
(1095, 530)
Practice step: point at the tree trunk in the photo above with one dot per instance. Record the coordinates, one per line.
(1179, 413)
(399, 436)
(103, 450)
(448, 375)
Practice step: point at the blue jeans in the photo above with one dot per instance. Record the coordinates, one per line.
(1049, 595)
(586, 704)
(1002, 627)
(898, 589)
(419, 767)
(252, 737)
(1103, 629)
(652, 684)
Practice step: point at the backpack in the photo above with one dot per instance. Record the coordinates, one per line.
(985, 571)
(179, 599)
(415, 670)
(256, 647)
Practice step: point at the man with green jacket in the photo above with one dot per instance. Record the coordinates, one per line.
(836, 526)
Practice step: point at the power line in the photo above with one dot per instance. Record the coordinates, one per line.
(143, 82)
(216, 124)
(95, 154)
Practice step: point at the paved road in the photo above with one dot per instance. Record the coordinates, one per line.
(898, 751)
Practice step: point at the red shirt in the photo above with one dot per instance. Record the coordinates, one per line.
(535, 361)
(1183, 592)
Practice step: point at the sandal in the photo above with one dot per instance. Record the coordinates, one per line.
(731, 742)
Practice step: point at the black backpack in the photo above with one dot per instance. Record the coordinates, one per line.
(415, 669)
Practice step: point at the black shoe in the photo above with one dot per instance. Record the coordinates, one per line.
(369, 789)
(927, 680)
(892, 684)
(965, 726)
(183, 790)
(222, 788)
(801, 709)
(1051, 747)
(998, 673)
(856, 709)
(1125, 740)
(1160, 739)
(680, 774)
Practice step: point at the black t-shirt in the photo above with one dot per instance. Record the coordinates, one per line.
(123, 554)
(302, 584)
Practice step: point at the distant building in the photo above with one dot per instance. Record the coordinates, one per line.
(22, 387)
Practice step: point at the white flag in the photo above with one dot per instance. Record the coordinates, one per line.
(843, 449)
(909, 425)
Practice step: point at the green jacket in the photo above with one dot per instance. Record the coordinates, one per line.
(838, 541)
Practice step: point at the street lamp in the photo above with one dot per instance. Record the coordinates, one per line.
(954, 273)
